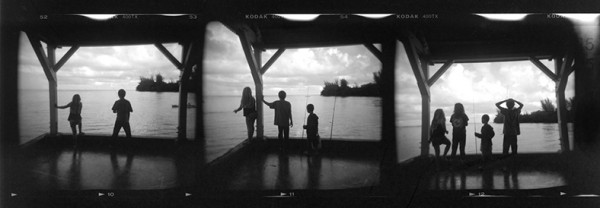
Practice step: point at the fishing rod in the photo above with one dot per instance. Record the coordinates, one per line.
(475, 126)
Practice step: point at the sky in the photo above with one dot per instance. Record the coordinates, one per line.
(478, 86)
(297, 71)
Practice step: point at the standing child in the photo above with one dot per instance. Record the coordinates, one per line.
(312, 129)
(437, 131)
(511, 124)
(459, 122)
(283, 118)
(74, 119)
(122, 108)
(487, 133)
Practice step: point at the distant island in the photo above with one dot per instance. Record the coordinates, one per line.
(157, 84)
(546, 115)
(341, 88)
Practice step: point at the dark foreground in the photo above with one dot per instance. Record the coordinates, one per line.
(159, 172)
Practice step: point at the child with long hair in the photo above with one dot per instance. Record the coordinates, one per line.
(437, 131)
(74, 119)
(248, 104)
(459, 122)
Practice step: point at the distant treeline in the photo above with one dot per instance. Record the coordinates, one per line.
(546, 115)
(341, 88)
(157, 84)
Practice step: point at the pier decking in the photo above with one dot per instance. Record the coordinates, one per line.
(99, 163)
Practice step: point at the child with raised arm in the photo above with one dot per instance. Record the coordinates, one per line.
(437, 132)
(312, 129)
(283, 118)
(459, 122)
(487, 133)
(122, 108)
(74, 119)
(511, 124)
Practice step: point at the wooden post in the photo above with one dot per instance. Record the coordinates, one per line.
(562, 70)
(388, 134)
(420, 75)
(255, 70)
(260, 128)
(183, 91)
(53, 91)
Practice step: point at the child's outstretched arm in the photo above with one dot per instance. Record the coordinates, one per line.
(62, 107)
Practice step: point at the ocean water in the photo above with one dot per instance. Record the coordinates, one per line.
(534, 138)
(355, 118)
(153, 114)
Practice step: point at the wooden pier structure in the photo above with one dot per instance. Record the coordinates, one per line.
(451, 39)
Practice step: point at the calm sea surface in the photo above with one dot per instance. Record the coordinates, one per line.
(535, 137)
(356, 118)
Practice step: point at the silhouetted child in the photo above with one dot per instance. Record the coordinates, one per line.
(74, 119)
(122, 108)
(437, 132)
(283, 118)
(511, 124)
(459, 122)
(312, 129)
(487, 133)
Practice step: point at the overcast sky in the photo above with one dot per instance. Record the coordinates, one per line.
(477, 86)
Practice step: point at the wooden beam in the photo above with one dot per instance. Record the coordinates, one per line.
(388, 133)
(65, 58)
(250, 58)
(561, 68)
(258, 90)
(186, 71)
(186, 55)
(543, 68)
(413, 58)
(374, 50)
(271, 60)
(440, 72)
(254, 64)
(42, 58)
(169, 56)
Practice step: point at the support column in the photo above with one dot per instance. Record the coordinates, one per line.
(387, 89)
(53, 91)
(260, 128)
(189, 50)
(421, 74)
(425, 115)
(255, 70)
(562, 70)
(183, 99)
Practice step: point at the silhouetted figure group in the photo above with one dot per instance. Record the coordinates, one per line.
(122, 108)
(283, 119)
(459, 121)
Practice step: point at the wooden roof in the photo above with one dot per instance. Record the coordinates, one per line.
(461, 37)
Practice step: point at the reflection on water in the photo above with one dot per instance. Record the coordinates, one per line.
(493, 179)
